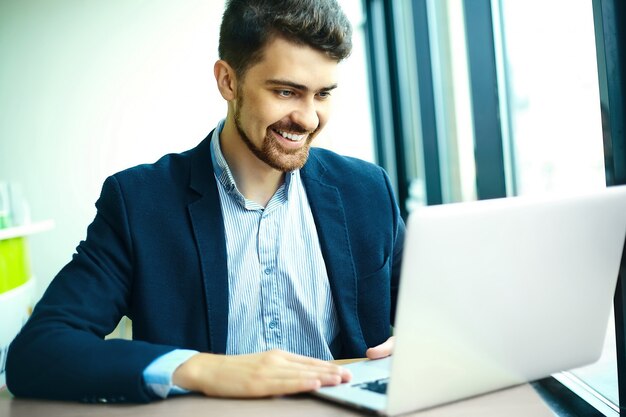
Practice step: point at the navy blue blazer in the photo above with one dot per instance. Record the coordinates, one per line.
(156, 252)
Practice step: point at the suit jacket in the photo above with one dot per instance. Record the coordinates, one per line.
(156, 252)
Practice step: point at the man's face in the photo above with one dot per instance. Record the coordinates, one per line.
(283, 102)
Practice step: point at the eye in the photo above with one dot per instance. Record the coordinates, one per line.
(284, 93)
(324, 94)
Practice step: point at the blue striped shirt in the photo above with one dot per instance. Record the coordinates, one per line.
(279, 294)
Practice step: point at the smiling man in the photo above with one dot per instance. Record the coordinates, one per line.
(246, 263)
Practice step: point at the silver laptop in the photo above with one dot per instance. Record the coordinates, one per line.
(493, 294)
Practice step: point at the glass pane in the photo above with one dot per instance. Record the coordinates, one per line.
(451, 85)
(553, 107)
(451, 99)
(554, 102)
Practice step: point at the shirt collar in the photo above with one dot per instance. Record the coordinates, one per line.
(220, 166)
(225, 176)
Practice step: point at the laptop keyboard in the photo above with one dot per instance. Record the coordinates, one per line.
(379, 386)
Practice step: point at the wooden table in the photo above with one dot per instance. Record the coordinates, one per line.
(518, 401)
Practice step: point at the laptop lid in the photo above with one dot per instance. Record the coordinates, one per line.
(500, 292)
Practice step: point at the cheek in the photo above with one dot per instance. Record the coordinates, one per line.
(254, 116)
(267, 112)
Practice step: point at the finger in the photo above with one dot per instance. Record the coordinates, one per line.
(285, 387)
(267, 381)
(306, 363)
(327, 372)
(346, 375)
(302, 375)
(323, 367)
(381, 351)
(306, 360)
(280, 364)
(378, 352)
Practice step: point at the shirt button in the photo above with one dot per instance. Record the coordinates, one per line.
(268, 271)
(273, 324)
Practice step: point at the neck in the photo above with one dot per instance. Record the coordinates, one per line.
(256, 180)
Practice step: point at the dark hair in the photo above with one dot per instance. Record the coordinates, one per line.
(248, 25)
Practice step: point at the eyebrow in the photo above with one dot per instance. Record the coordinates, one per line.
(297, 86)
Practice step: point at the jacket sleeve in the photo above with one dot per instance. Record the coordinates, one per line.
(61, 352)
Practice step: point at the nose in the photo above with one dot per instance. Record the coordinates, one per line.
(306, 115)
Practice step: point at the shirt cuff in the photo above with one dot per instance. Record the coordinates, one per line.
(158, 375)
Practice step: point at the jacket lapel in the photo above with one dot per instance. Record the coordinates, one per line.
(330, 220)
(208, 228)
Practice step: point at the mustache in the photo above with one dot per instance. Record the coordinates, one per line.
(289, 127)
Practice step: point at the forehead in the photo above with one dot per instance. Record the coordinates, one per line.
(295, 63)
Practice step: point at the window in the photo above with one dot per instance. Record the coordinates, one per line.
(500, 98)
(552, 98)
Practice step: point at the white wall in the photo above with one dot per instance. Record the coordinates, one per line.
(88, 88)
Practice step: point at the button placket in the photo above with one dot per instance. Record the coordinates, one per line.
(267, 238)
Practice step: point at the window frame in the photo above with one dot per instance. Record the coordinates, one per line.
(609, 20)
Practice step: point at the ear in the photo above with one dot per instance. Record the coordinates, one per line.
(226, 80)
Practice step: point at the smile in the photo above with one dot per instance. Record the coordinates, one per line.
(291, 136)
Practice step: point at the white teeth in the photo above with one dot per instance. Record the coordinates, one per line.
(291, 136)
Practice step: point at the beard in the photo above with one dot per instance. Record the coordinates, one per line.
(271, 152)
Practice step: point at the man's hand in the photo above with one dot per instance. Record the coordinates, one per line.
(274, 372)
(381, 351)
